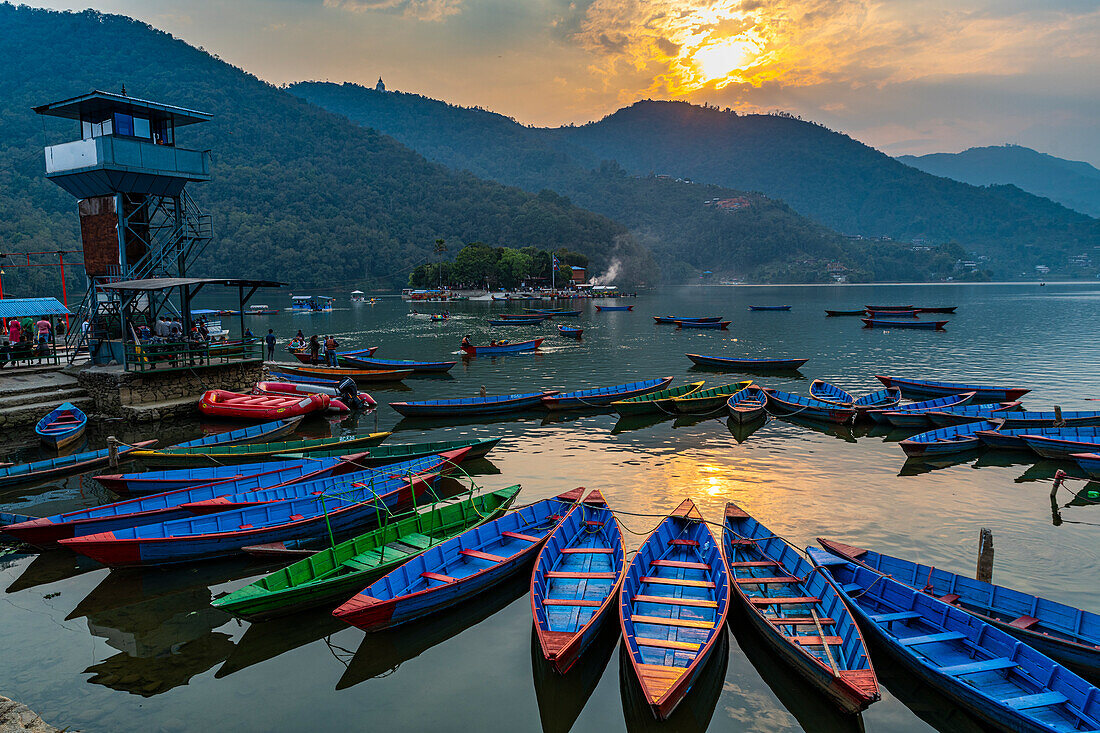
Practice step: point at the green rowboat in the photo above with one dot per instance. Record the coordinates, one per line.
(707, 400)
(383, 454)
(220, 455)
(660, 402)
(336, 573)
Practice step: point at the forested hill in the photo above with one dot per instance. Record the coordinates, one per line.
(829, 177)
(763, 239)
(298, 193)
(1072, 183)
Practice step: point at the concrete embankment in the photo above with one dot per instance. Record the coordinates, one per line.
(18, 718)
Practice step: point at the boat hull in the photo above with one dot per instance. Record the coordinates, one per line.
(580, 401)
(758, 365)
(509, 349)
(930, 389)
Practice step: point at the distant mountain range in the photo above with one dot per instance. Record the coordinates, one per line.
(1072, 183)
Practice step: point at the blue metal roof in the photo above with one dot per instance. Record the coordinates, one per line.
(20, 307)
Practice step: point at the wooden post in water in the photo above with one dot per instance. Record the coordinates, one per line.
(985, 555)
(1058, 421)
(112, 450)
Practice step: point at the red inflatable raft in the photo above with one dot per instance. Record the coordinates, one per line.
(295, 389)
(220, 403)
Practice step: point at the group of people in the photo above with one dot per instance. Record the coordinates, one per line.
(314, 345)
(26, 338)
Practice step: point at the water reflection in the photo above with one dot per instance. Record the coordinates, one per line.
(427, 423)
(628, 423)
(52, 566)
(561, 698)
(916, 465)
(383, 652)
(694, 711)
(265, 640)
(742, 431)
(847, 433)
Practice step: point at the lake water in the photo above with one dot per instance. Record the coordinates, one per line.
(107, 650)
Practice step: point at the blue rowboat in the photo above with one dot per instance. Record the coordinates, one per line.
(163, 507)
(1063, 444)
(999, 437)
(573, 333)
(62, 426)
(915, 414)
(889, 307)
(1012, 417)
(798, 612)
(746, 405)
(471, 405)
(993, 676)
(416, 366)
(302, 489)
(769, 307)
(337, 509)
(881, 399)
(614, 307)
(1067, 634)
(261, 433)
(715, 325)
(942, 441)
(685, 319)
(827, 392)
(576, 581)
(673, 606)
(948, 416)
(26, 473)
(303, 379)
(516, 322)
(551, 313)
(923, 325)
(459, 568)
(785, 404)
(603, 396)
(835, 313)
(751, 365)
(914, 388)
(1089, 463)
(502, 349)
(892, 314)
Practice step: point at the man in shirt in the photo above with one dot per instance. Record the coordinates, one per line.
(270, 339)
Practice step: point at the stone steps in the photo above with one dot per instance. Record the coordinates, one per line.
(28, 394)
(43, 398)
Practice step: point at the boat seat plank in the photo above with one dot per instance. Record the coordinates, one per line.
(755, 564)
(769, 580)
(949, 598)
(885, 618)
(682, 622)
(985, 665)
(656, 580)
(932, 638)
(780, 600)
(587, 551)
(1040, 700)
(667, 644)
(851, 587)
(593, 523)
(570, 602)
(742, 543)
(481, 555)
(519, 536)
(815, 640)
(680, 564)
(700, 602)
(686, 543)
(437, 576)
(579, 575)
(799, 620)
(1024, 622)
(420, 541)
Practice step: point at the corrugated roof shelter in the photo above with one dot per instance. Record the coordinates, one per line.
(23, 307)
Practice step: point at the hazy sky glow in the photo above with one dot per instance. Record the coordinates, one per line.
(907, 76)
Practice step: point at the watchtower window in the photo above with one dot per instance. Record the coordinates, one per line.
(96, 129)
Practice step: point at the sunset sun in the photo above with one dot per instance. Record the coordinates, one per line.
(719, 60)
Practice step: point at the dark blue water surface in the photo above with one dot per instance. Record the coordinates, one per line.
(144, 650)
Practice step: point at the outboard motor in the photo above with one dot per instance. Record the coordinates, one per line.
(349, 393)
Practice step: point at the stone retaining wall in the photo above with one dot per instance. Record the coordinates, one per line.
(152, 395)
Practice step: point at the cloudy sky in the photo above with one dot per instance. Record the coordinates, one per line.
(907, 76)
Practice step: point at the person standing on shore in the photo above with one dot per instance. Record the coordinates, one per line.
(330, 350)
(314, 349)
(270, 339)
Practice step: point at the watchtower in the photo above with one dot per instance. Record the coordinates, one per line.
(129, 176)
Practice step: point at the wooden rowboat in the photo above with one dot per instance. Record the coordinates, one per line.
(889, 307)
(915, 414)
(383, 364)
(655, 402)
(678, 319)
(922, 325)
(943, 441)
(340, 373)
(151, 482)
(747, 365)
(573, 333)
(833, 314)
(878, 400)
(38, 471)
(614, 308)
(603, 396)
(304, 356)
(892, 314)
(769, 307)
(62, 426)
(471, 405)
(924, 388)
(576, 581)
(1002, 682)
(502, 349)
(948, 416)
(222, 455)
(334, 573)
(706, 400)
(459, 568)
(262, 433)
(673, 606)
(1063, 444)
(786, 404)
(1067, 634)
(938, 309)
(713, 325)
(746, 405)
(1089, 463)
(798, 612)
